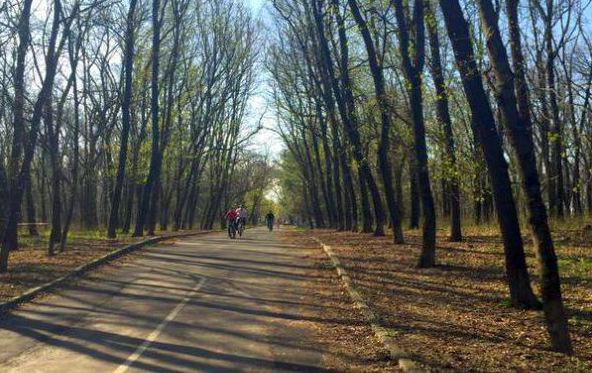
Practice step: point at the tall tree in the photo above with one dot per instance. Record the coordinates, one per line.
(24, 143)
(13, 194)
(346, 106)
(413, 61)
(523, 146)
(485, 131)
(385, 116)
(144, 211)
(128, 65)
(443, 115)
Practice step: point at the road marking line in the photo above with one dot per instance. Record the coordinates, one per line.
(156, 332)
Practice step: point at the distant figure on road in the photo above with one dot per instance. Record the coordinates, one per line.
(241, 220)
(242, 215)
(269, 218)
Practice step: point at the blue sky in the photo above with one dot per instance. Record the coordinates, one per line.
(255, 4)
(265, 141)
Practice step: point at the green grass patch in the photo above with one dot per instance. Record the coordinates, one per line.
(580, 267)
(505, 303)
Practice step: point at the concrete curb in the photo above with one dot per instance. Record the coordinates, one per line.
(396, 353)
(83, 269)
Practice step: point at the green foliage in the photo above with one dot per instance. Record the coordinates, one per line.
(290, 186)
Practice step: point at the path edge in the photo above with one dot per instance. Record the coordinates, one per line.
(83, 269)
(396, 352)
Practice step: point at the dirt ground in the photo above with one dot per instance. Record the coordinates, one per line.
(457, 316)
(351, 345)
(453, 317)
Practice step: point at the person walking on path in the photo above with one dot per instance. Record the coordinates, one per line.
(269, 218)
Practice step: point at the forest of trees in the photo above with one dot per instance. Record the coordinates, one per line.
(125, 116)
(407, 114)
(132, 116)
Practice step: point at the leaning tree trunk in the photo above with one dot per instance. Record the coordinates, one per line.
(486, 132)
(348, 115)
(523, 145)
(9, 233)
(381, 97)
(19, 175)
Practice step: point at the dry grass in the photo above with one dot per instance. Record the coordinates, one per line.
(456, 316)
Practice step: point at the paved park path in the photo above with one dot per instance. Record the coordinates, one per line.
(203, 303)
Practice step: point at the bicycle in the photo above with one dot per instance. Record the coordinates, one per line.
(231, 230)
(240, 227)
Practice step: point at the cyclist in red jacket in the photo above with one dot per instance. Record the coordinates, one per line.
(231, 216)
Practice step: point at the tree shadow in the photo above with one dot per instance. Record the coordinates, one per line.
(280, 300)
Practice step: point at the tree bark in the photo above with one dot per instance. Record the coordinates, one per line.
(413, 71)
(384, 144)
(19, 175)
(128, 62)
(56, 179)
(149, 194)
(485, 131)
(31, 215)
(346, 106)
(452, 189)
(414, 199)
(522, 143)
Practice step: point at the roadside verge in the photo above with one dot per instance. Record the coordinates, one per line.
(32, 293)
(396, 353)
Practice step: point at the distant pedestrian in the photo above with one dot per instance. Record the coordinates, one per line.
(269, 219)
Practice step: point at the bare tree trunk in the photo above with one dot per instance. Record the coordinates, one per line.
(56, 179)
(31, 216)
(3, 196)
(384, 144)
(18, 175)
(128, 62)
(9, 235)
(148, 199)
(413, 69)
(415, 210)
(556, 129)
(452, 189)
(485, 131)
(351, 217)
(76, 157)
(521, 140)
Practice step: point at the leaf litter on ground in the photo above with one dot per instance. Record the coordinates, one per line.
(457, 316)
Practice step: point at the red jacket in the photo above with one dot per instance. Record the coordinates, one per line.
(231, 214)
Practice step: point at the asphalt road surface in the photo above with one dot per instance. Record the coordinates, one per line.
(203, 303)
